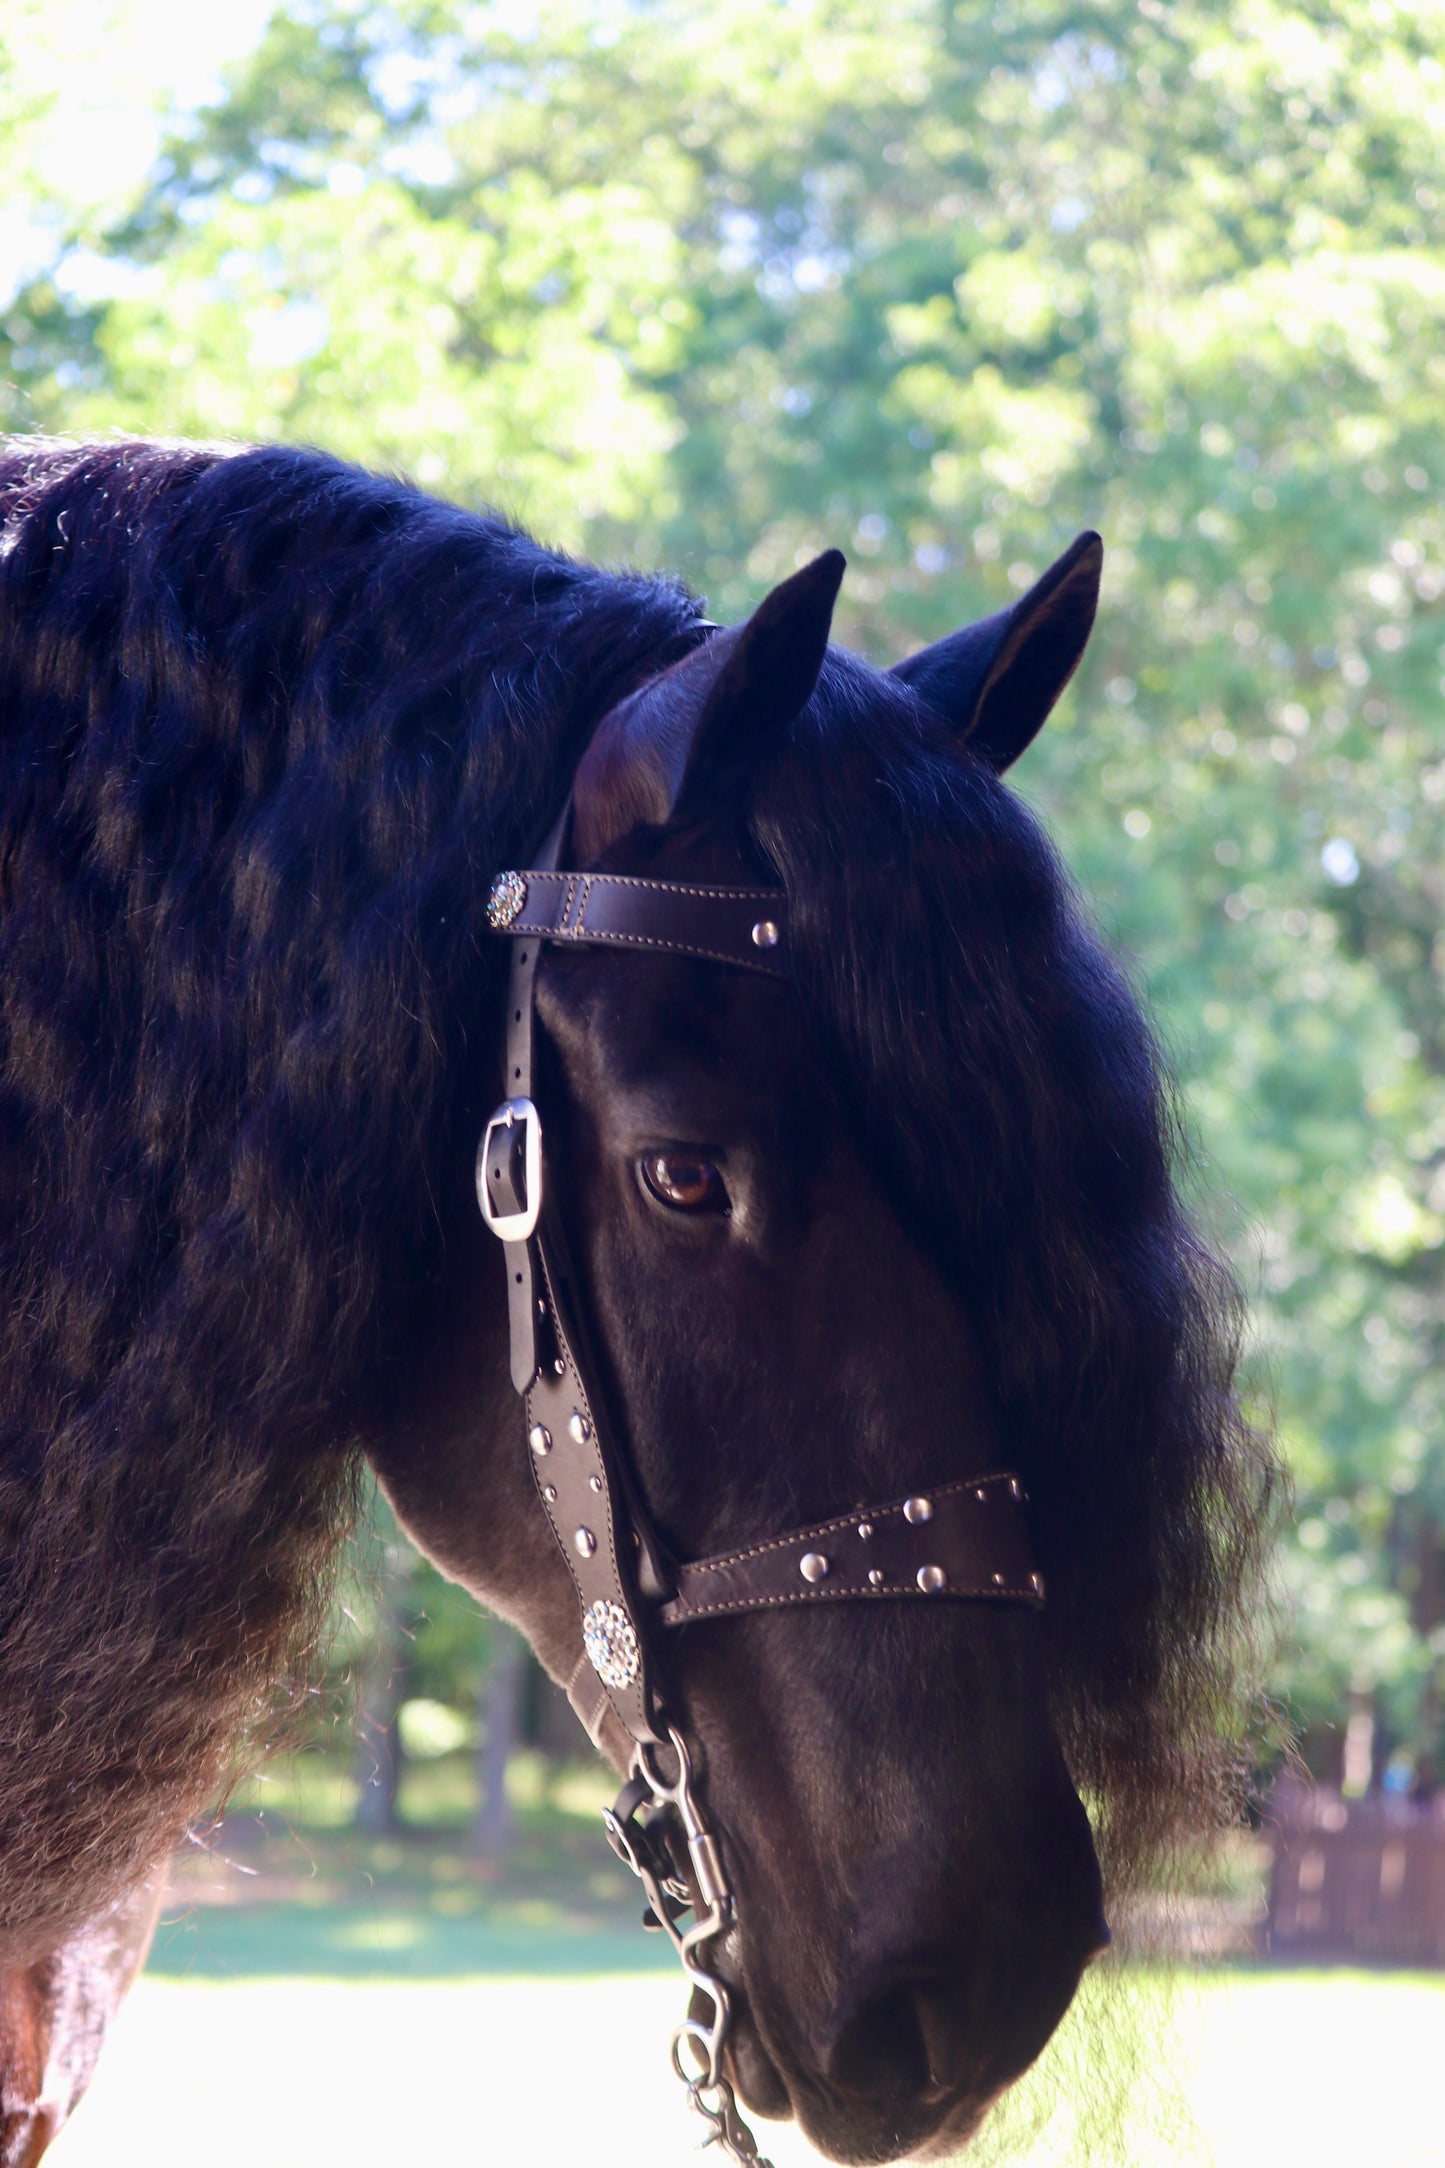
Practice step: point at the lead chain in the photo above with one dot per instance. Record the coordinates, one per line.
(709, 2093)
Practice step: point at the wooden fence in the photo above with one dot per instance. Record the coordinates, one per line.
(1360, 1880)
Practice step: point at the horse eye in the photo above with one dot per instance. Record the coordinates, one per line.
(684, 1184)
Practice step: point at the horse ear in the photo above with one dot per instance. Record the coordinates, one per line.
(691, 737)
(996, 681)
(767, 679)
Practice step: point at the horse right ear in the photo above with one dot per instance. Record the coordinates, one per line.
(688, 741)
(996, 681)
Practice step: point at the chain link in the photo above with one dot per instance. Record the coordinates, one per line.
(708, 1897)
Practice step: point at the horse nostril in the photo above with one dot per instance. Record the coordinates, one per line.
(881, 2049)
(906, 2043)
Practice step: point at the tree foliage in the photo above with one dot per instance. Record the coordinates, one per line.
(943, 283)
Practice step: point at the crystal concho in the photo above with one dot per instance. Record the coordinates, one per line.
(507, 895)
(611, 1644)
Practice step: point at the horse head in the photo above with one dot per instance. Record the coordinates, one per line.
(891, 1222)
(787, 1327)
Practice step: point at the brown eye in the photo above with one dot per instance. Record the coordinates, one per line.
(683, 1183)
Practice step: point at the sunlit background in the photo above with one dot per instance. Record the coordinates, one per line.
(713, 288)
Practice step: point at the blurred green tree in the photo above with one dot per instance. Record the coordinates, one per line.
(943, 283)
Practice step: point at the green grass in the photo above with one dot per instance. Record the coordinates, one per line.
(313, 1790)
(514, 1937)
(284, 1887)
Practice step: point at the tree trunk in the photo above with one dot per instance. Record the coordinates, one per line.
(377, 1767)
(502, 1695)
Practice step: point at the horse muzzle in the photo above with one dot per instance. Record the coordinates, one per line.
(876, 2098)
(892, 2033)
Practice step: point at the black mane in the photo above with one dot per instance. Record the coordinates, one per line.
(1008, 1082)
(267, 727)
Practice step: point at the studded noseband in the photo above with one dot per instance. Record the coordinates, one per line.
(962, 1540)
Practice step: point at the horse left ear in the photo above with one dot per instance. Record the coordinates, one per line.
(768, 678)
(996, 681)
(688, 740)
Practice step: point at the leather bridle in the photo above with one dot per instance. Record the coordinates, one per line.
(963, 1540)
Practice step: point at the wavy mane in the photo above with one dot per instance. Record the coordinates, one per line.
(267, 727)
(1010, 1087)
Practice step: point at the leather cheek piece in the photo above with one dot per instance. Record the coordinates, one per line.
(966, 1540)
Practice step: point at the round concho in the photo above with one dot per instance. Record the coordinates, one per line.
(508, 894)
(611, 1644)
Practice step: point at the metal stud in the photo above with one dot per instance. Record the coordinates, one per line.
(865, 1531)
(1016, 1490)
(980, 1494)
(539, 1437)
(559, 1366)
(998, 1580)
(875, 1578)
(931, 1579)
(813, 1566)
(1036, 1583)
(549, 1492)
(579, 1430)
(594, 1482)
(584, 1543)
(917, 1509)
(765, 934)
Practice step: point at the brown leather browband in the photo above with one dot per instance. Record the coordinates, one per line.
(723, 925)
(963, 1540)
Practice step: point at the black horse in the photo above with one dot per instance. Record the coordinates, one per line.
(269, 727)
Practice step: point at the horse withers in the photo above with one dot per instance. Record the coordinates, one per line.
(895, 1216)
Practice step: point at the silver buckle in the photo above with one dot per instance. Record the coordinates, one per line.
(513, 1226)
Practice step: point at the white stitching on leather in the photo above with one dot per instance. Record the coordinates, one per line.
(844, 1595)
(663, 888)
(804, 1536)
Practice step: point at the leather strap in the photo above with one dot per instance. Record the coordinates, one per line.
(743, 926)
(579, 1476)
(585, 1502)
(965, 1539)
(509, 1156)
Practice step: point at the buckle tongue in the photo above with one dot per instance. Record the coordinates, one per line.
(511, 1195)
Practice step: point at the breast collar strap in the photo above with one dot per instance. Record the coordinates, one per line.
(964, 1540)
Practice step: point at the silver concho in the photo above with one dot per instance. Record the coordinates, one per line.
(508, 894)
(611, 1643)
